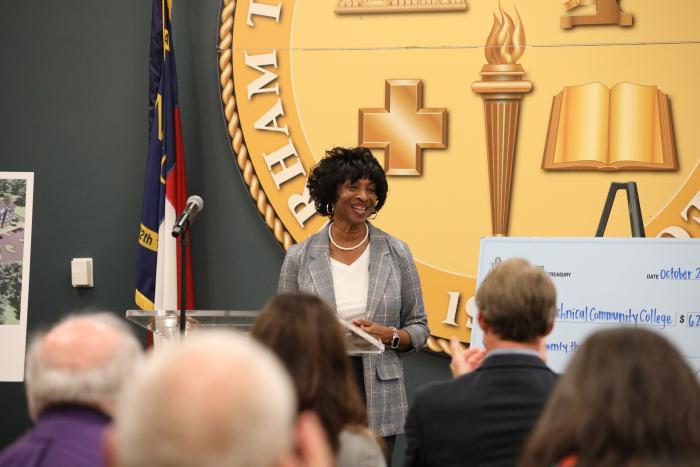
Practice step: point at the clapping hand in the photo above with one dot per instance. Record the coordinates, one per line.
(465, 360)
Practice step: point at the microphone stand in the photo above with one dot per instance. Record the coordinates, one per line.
(182, 226)
(183, 280)
(183, 276)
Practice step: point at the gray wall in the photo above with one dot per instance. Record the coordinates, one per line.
(73, 94)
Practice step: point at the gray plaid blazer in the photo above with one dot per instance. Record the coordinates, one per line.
(394, 298)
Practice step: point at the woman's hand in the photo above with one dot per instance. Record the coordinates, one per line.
(383, 333)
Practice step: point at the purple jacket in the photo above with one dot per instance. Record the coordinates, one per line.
(63, 436)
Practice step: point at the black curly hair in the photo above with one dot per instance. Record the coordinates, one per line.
(340, 165)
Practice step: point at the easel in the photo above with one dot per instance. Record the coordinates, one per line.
(632, 204)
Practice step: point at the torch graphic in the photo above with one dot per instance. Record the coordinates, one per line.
(502, 87)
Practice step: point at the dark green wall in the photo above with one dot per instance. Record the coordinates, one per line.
(73, 94)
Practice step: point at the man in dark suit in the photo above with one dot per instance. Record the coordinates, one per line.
(483, 416)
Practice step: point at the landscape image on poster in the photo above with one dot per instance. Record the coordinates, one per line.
(13, 193)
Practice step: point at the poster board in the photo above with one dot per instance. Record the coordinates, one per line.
(604, 282)
(16, 194)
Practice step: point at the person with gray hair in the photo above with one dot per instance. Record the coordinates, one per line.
(74, 375)
(219, 399)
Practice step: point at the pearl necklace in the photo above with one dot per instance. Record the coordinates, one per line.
(348, 248)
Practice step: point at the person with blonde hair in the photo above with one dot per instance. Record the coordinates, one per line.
(74, 376)
(627, 398)
(219, 399)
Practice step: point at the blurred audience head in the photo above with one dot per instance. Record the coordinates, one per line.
(218, 399)
(305, 334)
(517, 302)
(84, 360)
(627, 398)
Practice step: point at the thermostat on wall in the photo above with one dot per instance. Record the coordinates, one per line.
(81, 272)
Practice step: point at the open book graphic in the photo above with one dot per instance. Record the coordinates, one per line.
(625, 128)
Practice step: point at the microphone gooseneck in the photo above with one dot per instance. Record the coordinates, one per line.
(193, 206)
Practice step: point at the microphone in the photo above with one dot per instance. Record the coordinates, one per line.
(182, 223)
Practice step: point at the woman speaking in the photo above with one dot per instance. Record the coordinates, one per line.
(368, 276)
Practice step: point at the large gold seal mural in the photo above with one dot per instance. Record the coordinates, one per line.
(520, 125)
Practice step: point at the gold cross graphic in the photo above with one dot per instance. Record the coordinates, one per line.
(403, 128)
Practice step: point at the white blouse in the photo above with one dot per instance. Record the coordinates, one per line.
(350, 282)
